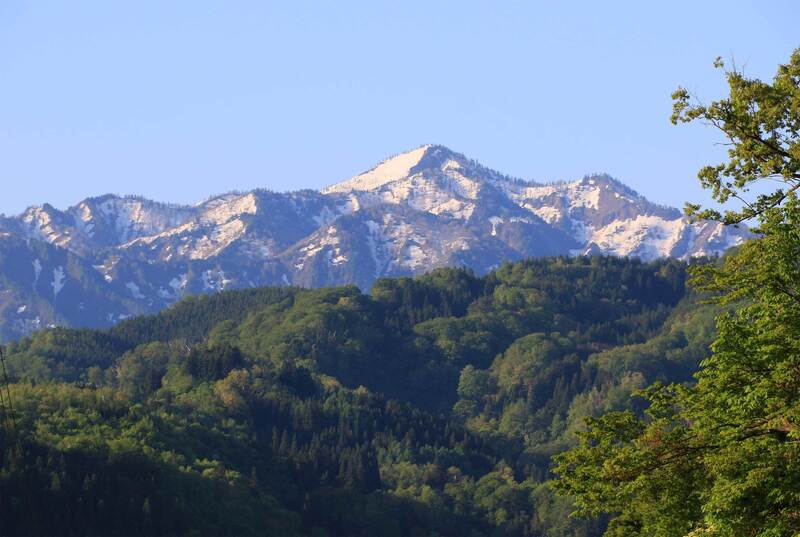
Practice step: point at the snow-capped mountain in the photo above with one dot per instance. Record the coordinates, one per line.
(111, 257)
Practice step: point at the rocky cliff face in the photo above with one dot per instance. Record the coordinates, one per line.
(111, 257)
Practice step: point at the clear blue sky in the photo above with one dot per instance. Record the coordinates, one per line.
(182, 99)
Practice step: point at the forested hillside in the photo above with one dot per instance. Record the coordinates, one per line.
(430, 406)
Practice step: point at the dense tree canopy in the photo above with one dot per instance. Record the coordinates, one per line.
(430, 406)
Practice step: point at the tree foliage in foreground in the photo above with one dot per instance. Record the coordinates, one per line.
(721, 457)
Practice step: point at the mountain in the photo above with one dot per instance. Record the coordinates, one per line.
(111, 257)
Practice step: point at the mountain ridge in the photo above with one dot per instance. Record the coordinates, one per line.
(411, 213)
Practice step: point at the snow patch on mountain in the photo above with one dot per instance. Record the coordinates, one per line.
(374, 244)
(223, 209)
(215, 280)
(546, 213)
(716, 238)
(178, 284)
(387, 171)
(58, 280)
(414, 256)
(221, 237)
(135, 291)
(84, 219)
(136, 217)
(37, 271)
(40, 224)
(495, 221)
(649, 237)
(325, 217)
(585, 196)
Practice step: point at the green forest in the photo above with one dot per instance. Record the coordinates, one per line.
(430, 406)
(553, 397)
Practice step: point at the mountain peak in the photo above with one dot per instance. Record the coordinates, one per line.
(606, 181)
(389, 170)
(398, 167)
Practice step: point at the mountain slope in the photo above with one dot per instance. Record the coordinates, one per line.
(427, 208)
